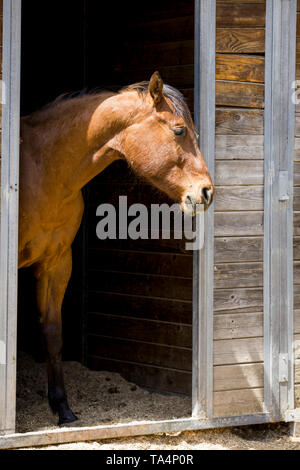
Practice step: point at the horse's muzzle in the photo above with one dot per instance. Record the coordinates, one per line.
(191, 205)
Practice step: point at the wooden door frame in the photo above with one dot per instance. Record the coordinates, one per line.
(9, 211)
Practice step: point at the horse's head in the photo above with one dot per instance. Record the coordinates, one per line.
(161, 145)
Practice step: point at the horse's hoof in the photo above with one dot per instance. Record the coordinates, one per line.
(67, 419)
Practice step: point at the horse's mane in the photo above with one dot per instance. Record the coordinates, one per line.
(172, 94)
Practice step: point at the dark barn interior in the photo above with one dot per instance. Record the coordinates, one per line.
(128, 307)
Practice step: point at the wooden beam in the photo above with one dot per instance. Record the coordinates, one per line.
(204, 112)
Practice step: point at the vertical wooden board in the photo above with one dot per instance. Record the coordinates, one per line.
(9, 211)
(204, 112)
(278, 171)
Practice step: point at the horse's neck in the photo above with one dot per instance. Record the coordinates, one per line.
(71, 141)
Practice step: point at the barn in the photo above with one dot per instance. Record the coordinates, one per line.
(220, 326)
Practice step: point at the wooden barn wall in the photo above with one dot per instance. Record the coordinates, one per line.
(238, 264)
(139, 295)
(297, 226)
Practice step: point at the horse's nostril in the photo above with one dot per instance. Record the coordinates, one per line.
(206, 194)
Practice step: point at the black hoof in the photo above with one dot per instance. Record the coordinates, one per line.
(67, 418)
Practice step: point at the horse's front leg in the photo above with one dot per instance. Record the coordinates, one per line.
(51, 286)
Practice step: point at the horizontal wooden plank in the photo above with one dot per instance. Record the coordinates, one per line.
(238, 223)
(238, 402)
(140, 307)
(235, 325)
(240, 147)
(240, 14)
(143, 330)
(141, 285)
(240, 121)
(239, 172)
(241, 376)
(238, 275)
(232, 249)
(247, 95)
(234, 351)
(139, 352)
(230, 198)
(240, 40)
(238, 300)
(242, 68)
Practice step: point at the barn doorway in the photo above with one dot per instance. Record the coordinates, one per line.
(139, 323)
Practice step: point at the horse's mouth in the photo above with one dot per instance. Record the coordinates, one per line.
(191, 208)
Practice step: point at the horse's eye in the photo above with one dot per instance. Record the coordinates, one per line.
(180, 131)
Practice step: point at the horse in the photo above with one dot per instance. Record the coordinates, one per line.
(66, 144)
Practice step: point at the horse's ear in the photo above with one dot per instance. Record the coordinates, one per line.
(156, 87)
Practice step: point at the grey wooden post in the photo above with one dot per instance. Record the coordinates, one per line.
(278, 206)
(205, 40)
(9, 211)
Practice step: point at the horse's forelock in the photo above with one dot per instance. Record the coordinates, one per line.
(173, 95)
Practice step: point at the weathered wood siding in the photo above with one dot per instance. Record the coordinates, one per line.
(139, 296)
(238, 346)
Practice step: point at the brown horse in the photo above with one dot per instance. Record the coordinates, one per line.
(65, 145)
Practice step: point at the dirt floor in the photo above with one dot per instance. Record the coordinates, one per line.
(106, 398)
